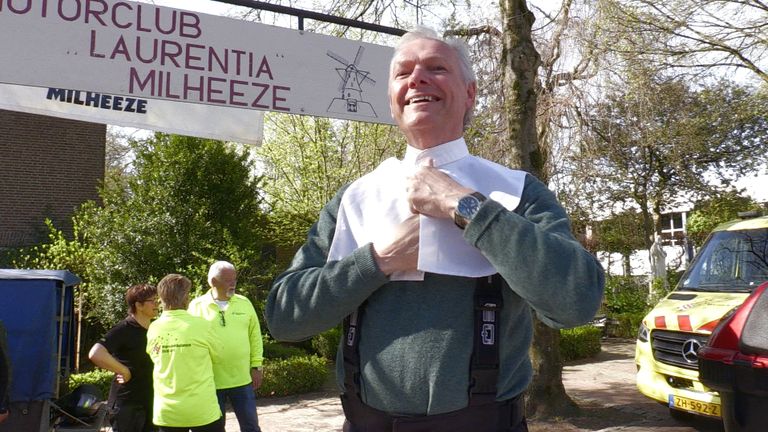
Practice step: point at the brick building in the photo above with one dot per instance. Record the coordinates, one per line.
(48, 167)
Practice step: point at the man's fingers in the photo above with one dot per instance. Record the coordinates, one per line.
(428, 162)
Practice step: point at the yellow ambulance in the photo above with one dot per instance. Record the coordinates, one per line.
(731, 263)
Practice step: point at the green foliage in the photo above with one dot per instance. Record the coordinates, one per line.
(652, 139)
(277, 350)
(623, 294)
(580, 342)
(294, 375)
(187, 203)
(307, 159)
(99, 377)
(707, 214)
(621, 233)
(327, 343)
(624, 325)
(59, 253)
(626, 303)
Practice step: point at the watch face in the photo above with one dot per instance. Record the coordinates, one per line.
(468, 206)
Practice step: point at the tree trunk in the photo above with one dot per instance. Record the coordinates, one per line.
(520, 62)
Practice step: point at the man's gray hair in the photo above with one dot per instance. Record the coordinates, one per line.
(216, 268)
(458, 46)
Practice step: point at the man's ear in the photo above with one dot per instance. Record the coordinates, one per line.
(471, 94)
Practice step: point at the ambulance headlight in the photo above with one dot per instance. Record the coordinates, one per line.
(643, 333)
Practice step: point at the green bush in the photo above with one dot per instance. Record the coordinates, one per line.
(623, 294)
(99, 377)
(293, 376)
(625, 325)
(580, 342)
(280, 351)
(327, 343)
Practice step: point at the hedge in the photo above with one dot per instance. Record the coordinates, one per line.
(579, 342)
(277, 350)
(327, 343)
(99, 377)
(293, 376)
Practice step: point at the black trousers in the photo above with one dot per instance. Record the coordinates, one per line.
(132, 417)
(521, 427)
(217, 426)
(506, 416)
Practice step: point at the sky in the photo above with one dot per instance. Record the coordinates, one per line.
(756, 186)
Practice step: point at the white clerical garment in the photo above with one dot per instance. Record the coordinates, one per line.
(374, 205)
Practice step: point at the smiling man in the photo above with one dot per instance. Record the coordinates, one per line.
(434, 263)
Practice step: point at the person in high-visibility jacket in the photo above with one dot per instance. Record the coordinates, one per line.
(236, 325)
(184, 349)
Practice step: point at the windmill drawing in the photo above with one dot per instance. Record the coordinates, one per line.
(351, 86)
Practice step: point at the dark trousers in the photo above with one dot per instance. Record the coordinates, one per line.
(243, 401)
(217, 426)
(131, 417)
(522, 427)
(506, 416)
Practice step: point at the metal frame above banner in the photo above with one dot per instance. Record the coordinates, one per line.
(301, 14)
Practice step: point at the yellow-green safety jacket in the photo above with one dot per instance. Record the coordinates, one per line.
(184, 349)
(240, 335)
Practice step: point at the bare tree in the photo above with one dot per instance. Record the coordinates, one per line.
(693, 34)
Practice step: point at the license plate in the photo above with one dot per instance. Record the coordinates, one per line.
(686, 404)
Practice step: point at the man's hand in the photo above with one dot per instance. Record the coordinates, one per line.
(256, 377)
(124, 376)
(4, 416)
(432, 192)
(401, 252)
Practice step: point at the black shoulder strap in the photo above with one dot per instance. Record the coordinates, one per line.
(351, 352)
(484, 369)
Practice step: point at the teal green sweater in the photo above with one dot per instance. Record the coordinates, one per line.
(416, 336)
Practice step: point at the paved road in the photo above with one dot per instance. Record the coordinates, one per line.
(603, 386)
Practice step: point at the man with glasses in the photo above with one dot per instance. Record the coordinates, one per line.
(123, 351)
(237, 327)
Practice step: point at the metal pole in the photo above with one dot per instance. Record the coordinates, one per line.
(301, 13)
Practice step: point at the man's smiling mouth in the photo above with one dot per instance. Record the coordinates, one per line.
(419, 99)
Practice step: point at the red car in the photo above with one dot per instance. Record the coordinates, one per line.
(735, 363)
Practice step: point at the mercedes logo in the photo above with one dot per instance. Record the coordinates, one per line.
(691, 350)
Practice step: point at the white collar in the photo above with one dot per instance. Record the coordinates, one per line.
(442, 154)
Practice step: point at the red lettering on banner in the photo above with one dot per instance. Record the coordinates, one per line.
(166, 53)
(234, 93)
(120, 49)
(69, 18)
(275, 98)
(89, 11)
(264, 88)
(264, 68)
(208, 89)
(114, 15)
(93, 52)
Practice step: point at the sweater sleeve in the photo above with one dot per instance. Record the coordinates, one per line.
(534, 250)
(313, 295)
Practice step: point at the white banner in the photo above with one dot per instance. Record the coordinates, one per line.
(206, 121)
(142, 51)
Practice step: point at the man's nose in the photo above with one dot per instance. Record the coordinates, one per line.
(418, 76)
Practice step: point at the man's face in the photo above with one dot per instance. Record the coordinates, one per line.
(428, 95)
(225, 284)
